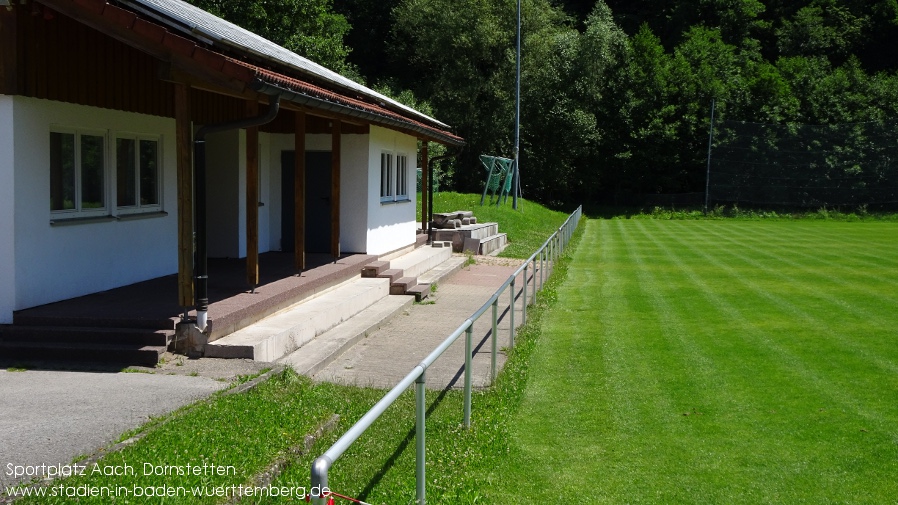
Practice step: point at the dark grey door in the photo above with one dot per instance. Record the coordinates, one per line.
(318, 201)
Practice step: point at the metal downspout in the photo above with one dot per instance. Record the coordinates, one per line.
(199, 183)
(429, 223)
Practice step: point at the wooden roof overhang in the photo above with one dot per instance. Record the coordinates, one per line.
(189, 61)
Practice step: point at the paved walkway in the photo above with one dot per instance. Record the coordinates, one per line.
(386, 355)
(50, 417)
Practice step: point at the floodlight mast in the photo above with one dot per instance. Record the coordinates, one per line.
(516, 185)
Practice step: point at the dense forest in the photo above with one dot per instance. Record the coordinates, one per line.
(616, 94)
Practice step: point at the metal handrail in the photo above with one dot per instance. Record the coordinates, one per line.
(551, 249)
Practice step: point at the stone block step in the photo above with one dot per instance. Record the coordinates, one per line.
(494, 244)
(34, 317)
(85, 335)
(393, 274)
(107, 354)
(402, 285)
(375, 268)
(458, 237)
(419, 291)
(290, 329)
(320, 352)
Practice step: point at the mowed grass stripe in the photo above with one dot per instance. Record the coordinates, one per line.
(790, 341)
(836, 243)
(809, 344)
(661, 335)
(821, 247)
(861, 299)
(848, 319)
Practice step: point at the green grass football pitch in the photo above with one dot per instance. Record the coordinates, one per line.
(714, 362)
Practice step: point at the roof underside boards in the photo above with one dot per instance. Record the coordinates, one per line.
(208, 27)
(229, 75)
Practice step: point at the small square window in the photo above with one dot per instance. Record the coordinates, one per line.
(401, 177)
(137, 173)
(386, 177)
(77, 172)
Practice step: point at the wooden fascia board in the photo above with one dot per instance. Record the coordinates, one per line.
(9, 53)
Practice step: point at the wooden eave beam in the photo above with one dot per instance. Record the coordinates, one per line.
(299, 193)
(252, 198)
(335, 189)
(9, 53)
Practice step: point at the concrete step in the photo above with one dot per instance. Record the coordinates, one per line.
(493, 244)
(38, 318)
(442, 271)
(419, 291)
(420, 260)
(392, 274)
(85, 335)
(290, 329)
(458, 237)
(375, 268)
(107, 354)
(402, 285)
(320, 352)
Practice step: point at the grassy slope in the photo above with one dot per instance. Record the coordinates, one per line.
(715, 362)
(527, 228)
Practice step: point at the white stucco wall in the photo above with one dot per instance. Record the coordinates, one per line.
(226, 194)
(265, 168)
(7, 210)
(391, 226)
(223, 213)
(277, 143)
(57, 262)
(353, 186)
(354, 181)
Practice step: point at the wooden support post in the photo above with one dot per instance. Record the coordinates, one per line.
(335, 189)
(252, 198)
(183, 151)
(424, 184)
(299, 193)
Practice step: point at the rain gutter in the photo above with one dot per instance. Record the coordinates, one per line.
(201, 269)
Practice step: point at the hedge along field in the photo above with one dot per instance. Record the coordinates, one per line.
(714, 362)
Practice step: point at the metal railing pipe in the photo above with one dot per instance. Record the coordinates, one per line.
(511, 315)
(524, 296)
(555, 244)
(420, 446)
(468, 337)
(533, 298)
(493, 340)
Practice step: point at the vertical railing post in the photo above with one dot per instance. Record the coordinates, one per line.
(511, 317)
(524, 295)
(533, 298)
(493, 340)
(420, 454)
(468, 339)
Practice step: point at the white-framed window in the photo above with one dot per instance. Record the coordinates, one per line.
(386, 177)
(78, 173)
(393, 177)
(401, 177)
(98, 174)
(138, 173)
